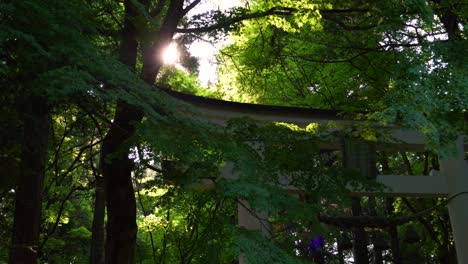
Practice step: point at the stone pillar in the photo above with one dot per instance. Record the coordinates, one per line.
(251, 219)
(359, 155)
(455, 169)
(248, 217)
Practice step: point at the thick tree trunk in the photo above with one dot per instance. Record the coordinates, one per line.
(25, 243)
(97, 239)
(116, 166)
(120, 198)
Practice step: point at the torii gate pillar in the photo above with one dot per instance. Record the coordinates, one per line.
(455, 169)
(252, 219)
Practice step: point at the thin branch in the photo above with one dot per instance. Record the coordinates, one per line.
(348, 60)
(407, 163)
(348, 27)
(408, 204)
(421, 219)
(77, 159)
(151, 167)
(234, 20)
(59, 214)
(145, 163)
(254, 214)
(96, 124)
(140, 200)
(100, 116)
(190, 7)
(344, 11)
(277, 10)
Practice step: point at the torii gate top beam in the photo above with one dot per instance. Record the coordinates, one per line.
(219, 112)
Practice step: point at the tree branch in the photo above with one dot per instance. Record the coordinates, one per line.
(277, 10)
(59, 214)
(190, 7)
(348, 27)
(254, 214)
(234, 20)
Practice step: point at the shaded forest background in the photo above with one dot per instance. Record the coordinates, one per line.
(97, 160)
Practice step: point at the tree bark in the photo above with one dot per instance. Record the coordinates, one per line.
(120, 198)
(25, 242)
(116, 166)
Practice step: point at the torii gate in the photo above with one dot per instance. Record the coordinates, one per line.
(450, 182)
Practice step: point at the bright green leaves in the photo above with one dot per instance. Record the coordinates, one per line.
(80, 232)
(289, 16)
(383, 57)
(179, 80)
(186, 224)
(310, 67)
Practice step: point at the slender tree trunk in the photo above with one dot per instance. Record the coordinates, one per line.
(116, 166)
(25, 243)
(97, 239)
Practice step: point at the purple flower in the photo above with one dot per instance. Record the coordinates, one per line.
(316, 243)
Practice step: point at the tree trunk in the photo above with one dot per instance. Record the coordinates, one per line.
(97, 239)
(120, 198)
(25, 242)
(116, 166)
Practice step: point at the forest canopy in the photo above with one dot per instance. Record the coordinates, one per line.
(101, 164)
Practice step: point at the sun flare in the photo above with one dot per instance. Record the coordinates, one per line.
(171, 54)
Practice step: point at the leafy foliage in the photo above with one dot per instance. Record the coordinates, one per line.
(396, 60)
(355, 57)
